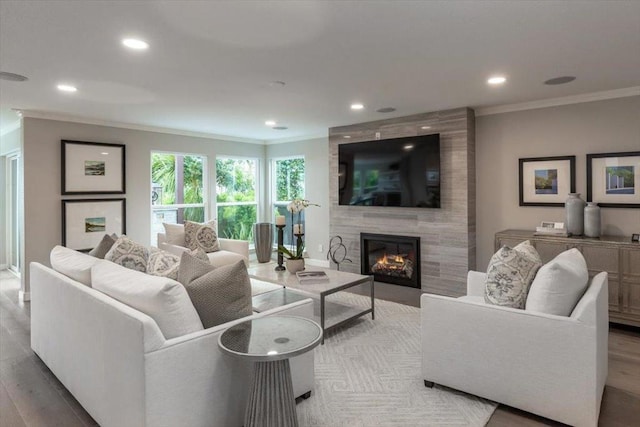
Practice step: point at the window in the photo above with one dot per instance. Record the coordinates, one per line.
(177, 190)
(236, 196)
(287, 176)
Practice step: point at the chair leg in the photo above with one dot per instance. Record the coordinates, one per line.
(428, 384)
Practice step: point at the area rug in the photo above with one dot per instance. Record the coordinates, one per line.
(368, 373)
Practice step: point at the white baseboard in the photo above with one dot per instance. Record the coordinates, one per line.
(24, 296)
(3, 266)
(317, 262)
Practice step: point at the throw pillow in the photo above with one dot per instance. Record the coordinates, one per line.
(103, 247)
(202, 236)
(174, 234)
(128, 253)
(220, 294)
(73, 264)
(559, 284)
(163, 264)
(510, 274)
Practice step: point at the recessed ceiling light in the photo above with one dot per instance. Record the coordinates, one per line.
(425, 127)
(270, 123)
(386, 110)
(12, 77)
(497, 80)
(560, 80)
(357, 106)
(347, 136)
(67, 88)
(279, 128)
(135, 44)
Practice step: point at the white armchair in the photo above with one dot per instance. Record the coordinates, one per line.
(549, 365)
(230, 250)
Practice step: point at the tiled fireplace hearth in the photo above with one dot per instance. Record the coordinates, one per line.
(391, 259)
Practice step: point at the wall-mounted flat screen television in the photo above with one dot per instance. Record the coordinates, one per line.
(402, 172)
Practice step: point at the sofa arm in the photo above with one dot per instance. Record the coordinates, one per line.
(189, 381)
(238, 246)
(476, 283)
(536, 362)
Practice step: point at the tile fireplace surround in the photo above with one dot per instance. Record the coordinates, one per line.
(447, 235)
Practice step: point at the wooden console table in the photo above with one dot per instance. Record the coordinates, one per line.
(618, 256)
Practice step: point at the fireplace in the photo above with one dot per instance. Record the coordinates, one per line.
(391, 259)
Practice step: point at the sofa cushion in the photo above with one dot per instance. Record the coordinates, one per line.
(559, 284)
(103, 247)
(129, 254)
(219, 294)
(163, 264)
(510, 274)
(221, 258)
(174, 234)
(164, 300)
(202, 236)
(73, 264)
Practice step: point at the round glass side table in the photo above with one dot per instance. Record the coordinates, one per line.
(270, 342)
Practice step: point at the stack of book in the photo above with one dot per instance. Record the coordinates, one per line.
(547, 231)
(312, 277)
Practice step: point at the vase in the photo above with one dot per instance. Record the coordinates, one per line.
(295, 265)
(263, 239)
(574, 207)
(592, 220)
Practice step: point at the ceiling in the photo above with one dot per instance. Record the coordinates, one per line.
(210, 65)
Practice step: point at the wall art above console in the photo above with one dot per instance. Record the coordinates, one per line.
(92, 168)
(546, 181)
(613, 179)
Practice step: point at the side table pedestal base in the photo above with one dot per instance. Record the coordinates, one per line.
(271, 401)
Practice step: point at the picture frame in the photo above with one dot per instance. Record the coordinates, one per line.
(546, 181)
(613, 179)
(86, 221)
(92, 168)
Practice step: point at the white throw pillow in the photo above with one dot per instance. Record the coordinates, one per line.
(559, 284)
(164, 300)
(73, 264)
(174, 234)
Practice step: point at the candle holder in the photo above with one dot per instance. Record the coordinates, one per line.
(280, 228)
(298, 241)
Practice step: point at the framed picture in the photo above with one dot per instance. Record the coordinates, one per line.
(613, 179)
(85, 222)
(92, 168)
(546, 181)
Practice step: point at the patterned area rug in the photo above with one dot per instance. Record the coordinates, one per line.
(368, 373)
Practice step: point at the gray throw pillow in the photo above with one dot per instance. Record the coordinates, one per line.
(220, 294)
(201, 236)
(129, 254)
(510, 274)
(103, 247)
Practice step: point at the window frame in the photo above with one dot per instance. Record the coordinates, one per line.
(273, 186)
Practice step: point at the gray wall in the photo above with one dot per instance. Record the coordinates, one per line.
(41, 154)
(577, 129)
(316, 155)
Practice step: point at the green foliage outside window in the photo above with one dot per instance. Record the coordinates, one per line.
(236, 183)
(163, 173)
(289, 179)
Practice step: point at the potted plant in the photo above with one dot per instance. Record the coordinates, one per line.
(294, 260)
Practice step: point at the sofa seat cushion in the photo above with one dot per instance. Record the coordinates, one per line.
(260, 287)
(73, 264)
(222, 258)
(559, 284)
(219, 295)
(164, 300)
(510, 273)
(129, 254)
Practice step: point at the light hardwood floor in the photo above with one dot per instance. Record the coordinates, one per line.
(30, 395)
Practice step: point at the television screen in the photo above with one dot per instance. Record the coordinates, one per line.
(390, 172)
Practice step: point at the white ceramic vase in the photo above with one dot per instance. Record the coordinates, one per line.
(294, 265)
(574, 207)
(592, 220)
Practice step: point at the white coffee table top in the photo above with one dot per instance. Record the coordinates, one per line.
(337, 279)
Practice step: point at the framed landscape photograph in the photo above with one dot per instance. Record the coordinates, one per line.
(85, 222)
(92, 168)
(613, 179)
(546, 181)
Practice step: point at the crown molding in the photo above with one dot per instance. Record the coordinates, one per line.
(296, 138)
(34, 114)
(554, 102)
(10, 127)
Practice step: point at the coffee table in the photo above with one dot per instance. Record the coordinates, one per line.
(331, 315)
(270, 342)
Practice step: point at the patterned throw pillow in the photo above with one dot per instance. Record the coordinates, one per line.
(129, 254)
(510, 274)
(163, 264)
(201, 236)
(219, 294)
(103, 247)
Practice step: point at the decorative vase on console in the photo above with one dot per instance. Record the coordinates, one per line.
(294, 265)
(592, 220)
(574, 207)
(263, 240)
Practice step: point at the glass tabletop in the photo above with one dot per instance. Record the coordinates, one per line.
(271, 338)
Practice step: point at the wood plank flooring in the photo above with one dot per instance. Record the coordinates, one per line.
(30, 395)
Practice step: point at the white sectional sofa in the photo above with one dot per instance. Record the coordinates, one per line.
(549, 365)
(117, 363)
